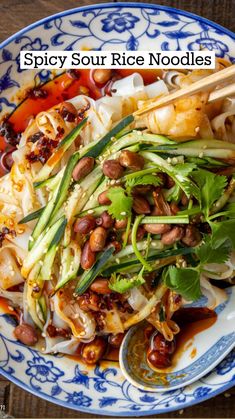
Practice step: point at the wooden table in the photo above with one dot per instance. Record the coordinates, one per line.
(15, 15)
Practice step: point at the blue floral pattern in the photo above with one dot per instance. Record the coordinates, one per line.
(43, 371)
(124, 27)
(119, 22)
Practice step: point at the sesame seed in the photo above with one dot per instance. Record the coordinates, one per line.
(197, 129)
(84, 194)
(10, 308)
(227, 395)
(82, 333)
(123, 213)
(181, 411)
(43, 335)
(117, 261)
(200, 155)
(168, 160)
(43, 348)
(112, 182)
(90, 211)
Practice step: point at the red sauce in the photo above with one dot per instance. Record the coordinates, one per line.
(60, 89)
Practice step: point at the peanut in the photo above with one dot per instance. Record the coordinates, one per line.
(105, 220)
(157, 228)
(112, 169)
(192, 236)
(103, 199)
(116, 340)
(102, 76)
(26, 334)
(141, 205)
(172, 236)
(120, 224)
(93, 351)
(83, 168)
(87, 257)
(98, 239)
(100, 286)
(85, 224)
(131, 160)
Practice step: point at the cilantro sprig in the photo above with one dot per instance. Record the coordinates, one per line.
(123, 284)
(121, 203)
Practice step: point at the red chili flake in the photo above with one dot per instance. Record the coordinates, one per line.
(81, 112)
(35, 137)
(67, 116)
(37, 93)
(44, 150)
(57, 331)
(60, 133)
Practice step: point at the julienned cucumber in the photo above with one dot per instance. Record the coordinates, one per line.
(32, 216)
(65, 182)
(69, 139)
(59, 152)
(99, 147)
(89, 276)
(130, 263)
(57, 200)
(45, 272)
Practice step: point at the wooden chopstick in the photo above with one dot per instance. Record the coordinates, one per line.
(226, 91)
(202, 85)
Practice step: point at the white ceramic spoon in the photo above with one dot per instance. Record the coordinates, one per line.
(208, 349)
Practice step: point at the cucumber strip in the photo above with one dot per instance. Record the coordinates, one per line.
(59, 152)
(210, 143)
(142, 245)
(89, 276)
(40, 248)
(97, 149)
(96, 211)
(70, 262)
(65, 182)
(139, 138)
(43, 183)
(134, 243)
(46, 270)
(222, 153)
(165, 219)
(50, 211)
(43, 307)
(42, 221)
(119, 267)
(88, 187)
(93, 200)
(32, 216)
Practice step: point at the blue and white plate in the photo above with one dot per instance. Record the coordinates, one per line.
(124, 26)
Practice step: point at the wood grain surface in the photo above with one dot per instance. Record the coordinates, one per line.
(15, 15)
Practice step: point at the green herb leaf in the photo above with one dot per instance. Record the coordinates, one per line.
(223, 230)
(120, 207)
(184, 281)
(147, 179)
(211, 188)
(213, 250)
(121, 284)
